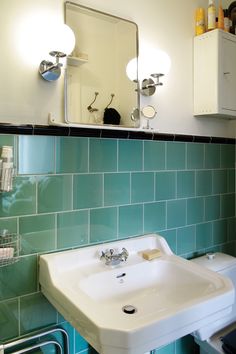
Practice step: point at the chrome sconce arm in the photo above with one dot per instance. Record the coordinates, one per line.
(51, 71)
(148, 87)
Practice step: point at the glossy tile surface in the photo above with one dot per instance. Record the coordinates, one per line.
(130, 220)
(116, 189)
(87, 191)
(38, 233)
(35, 154)
(102, 155)
(142, 187)
(130, 155)
(75, 191)
(165, 185)
(154, 155)
(54, 193)
(72, 229)
(103, 224)
(71, 155)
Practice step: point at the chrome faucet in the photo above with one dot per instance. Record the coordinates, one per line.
(111, 258)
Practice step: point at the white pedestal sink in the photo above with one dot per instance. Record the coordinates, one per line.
(171, 296)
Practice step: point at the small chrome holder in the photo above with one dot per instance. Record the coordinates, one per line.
(9, 247)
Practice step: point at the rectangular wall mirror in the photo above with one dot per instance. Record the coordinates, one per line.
(98, 90)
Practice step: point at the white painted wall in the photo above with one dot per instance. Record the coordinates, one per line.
(166, 24)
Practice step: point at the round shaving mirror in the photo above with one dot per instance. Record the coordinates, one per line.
(148, 112)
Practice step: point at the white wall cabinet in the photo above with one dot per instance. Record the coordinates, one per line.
(215, 74)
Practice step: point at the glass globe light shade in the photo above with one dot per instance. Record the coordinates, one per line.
(132, 69)
(62, 39)
(153, 61)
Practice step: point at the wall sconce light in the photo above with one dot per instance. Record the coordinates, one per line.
(63, 43)
(157, 60)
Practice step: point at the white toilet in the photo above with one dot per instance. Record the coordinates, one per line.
(225, 265)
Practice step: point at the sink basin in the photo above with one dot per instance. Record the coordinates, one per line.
(138, 305)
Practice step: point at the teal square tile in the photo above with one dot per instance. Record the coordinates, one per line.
(80, 343)
(130, 221)
(7, 140)
(203, 183)
(103, 224)
(231, 181)
(130, 154)
(231, 229)
(185, 345)
(220, 231)
(204, 237)
(35, 154)
(167, 349)
(186, 239)
(72, 229)
(154, 155)
(154, 217)
(170, 236)
(142, 187)
(228, 158)
(185, 184)
(9, 317)
(44, 313)
(227, 204)
(212, 156)
(176, 156)
(9, 224)
(176, 213)
(228, 248)
(116, 188)
(88, 191)
(195, 156)
(102, 155)
(38, 233)
(54, 193)
(195, 210)
(71, 155)
(25, 282)
(71, 333)
(219, 181)
(22, 199)
(165, 185)
(212, 208)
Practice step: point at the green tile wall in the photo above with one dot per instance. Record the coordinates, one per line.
(72, 192)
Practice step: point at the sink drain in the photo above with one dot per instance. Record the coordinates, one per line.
(129, 309)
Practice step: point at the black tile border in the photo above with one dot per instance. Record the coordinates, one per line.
(16, 129)
(53, 130)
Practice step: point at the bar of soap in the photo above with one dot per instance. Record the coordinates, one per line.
(151, 254)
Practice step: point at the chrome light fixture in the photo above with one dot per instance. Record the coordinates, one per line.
(153, 65)
(148, 87)
(63, 40)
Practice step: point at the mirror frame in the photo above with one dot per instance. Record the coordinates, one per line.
(104, 126)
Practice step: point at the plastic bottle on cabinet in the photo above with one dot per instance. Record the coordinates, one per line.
(220, 16)
(199, 21)
(226, 21)
(211, 16)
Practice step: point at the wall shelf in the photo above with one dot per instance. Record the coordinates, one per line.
(76, 61)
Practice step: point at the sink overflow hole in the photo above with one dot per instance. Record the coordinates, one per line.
(129, 309)
(121, 275)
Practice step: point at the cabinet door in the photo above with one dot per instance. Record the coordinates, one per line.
(228, 75)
